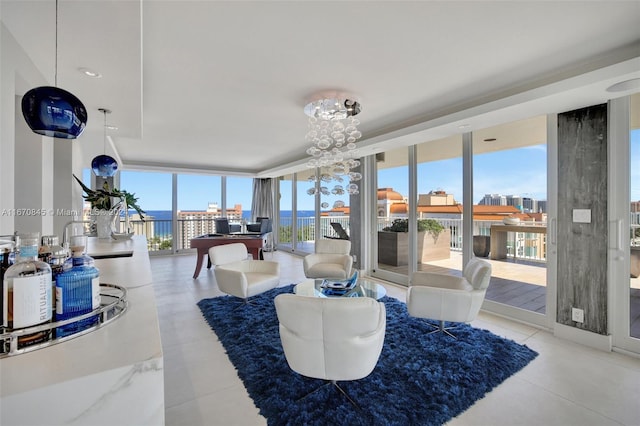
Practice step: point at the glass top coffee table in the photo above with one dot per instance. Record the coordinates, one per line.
(364, 288)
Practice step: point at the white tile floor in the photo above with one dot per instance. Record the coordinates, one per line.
(567, 384)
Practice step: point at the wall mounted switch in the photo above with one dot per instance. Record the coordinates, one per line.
(577, 315)
(582, 215)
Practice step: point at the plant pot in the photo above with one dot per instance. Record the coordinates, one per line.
(481, 245)
(393, 247)
(105, 221)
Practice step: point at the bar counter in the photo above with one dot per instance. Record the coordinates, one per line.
(111, 376)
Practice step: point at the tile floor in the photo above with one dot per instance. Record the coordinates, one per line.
(567, 384)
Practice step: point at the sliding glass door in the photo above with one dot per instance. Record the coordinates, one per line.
(391, 261)
(439, 205)
(510, 207)
(624, 212)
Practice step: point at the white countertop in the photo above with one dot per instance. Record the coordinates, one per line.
(124, 348)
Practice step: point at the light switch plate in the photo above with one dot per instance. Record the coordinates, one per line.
(582, 215)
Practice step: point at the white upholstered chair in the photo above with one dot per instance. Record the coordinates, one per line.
(330, 260)
(240, 276)
(444, 297)
(331, 338)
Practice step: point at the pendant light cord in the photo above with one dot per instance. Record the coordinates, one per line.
(55, 77)
(104, 143)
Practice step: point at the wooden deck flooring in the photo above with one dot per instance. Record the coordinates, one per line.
(527, 292)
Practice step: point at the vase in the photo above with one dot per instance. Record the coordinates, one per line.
(105, 222)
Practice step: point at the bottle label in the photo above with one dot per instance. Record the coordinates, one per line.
(59, 301)
(29, 251)
(31, 300)
(95, 292)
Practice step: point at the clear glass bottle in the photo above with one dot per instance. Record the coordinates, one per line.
(7, 258)
(27, 292)
(77, 290)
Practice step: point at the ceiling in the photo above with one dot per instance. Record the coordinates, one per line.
(216, 86)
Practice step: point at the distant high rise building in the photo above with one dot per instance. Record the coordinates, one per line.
(635, 206)
(524, 204)
(493, 200)
(542, 206)
(194, 223)
(530, 205)
(515, 200)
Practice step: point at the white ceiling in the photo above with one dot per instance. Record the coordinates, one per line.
(220, 86)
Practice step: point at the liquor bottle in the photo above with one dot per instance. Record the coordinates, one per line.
(27, 292)
(55, 255)
(77, 291)
(7, 258)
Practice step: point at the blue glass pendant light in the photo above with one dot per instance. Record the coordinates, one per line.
(104, 165)
(52, 111)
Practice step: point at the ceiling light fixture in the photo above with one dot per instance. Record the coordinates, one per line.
(52, 111)
(90, 73)
(631, 84)
(104, 165)
(333, 132)
(490, 139)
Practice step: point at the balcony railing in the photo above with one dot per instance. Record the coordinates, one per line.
(526, 246)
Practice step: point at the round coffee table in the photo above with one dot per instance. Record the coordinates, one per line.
(364, 288)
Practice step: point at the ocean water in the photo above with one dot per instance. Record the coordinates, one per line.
(162, 228)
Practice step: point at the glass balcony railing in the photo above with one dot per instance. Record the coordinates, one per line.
(522, 245)
(159, 233)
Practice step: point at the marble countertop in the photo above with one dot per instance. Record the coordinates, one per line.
(130, 346)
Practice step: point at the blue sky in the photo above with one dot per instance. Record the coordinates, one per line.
(514, 172)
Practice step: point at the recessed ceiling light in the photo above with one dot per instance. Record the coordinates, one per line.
(490, 139)
(90, 73)
(622, 86)
(463, 126)
(111, 127)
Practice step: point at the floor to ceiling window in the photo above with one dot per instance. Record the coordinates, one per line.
(510, 207)
(285, 197)
(154, 193)
(439, 204)
(392, 258)
(239, 194)
(634, 248)
(629, 285)
(305, 236)
(199, 203)
(624, 222)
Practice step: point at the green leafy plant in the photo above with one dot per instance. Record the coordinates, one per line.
(103, 199)
(431, 226)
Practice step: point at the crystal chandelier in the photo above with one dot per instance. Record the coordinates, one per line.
(333, 133)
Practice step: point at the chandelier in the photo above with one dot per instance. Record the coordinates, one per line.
(333, 132)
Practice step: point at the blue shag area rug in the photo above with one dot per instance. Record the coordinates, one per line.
(420, 378)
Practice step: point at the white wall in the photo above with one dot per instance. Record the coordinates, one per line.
(35, 171)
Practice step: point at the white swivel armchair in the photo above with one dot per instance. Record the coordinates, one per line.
(239, 276)
(331, 338)
(330, 260)
(445, 297)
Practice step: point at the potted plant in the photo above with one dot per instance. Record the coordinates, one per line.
(106, 204)
(434, 241)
